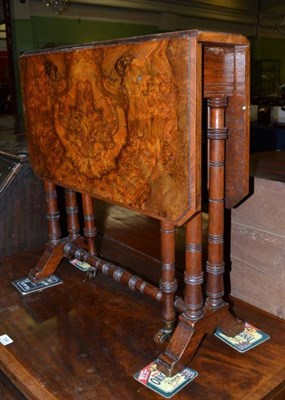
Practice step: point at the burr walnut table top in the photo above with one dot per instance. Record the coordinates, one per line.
(121, 120)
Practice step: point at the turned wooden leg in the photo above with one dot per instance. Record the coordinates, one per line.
(72, 214)
(193, 275)
(215, 267)
(217, 135)
(168, 283)
(192, 325)
(89, 225)
(53, 216)
(187, 337)
(54, 251)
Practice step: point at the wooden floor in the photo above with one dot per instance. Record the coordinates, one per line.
(85, 339)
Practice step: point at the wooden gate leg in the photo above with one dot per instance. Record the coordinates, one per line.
(193, 275)
(89, 229)
(89, 225)
(54, 252)
(168, 283)
(53, 217)
(192, 324)
(217, 135)
(178, 351)
(215, 266)
(72, 214)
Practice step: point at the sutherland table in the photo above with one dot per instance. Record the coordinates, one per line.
(122, 121)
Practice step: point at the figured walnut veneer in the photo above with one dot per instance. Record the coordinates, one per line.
(113, 122)
(121, 120)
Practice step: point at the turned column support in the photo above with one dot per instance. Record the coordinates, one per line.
(215, 267)
(193, 275)
(52, 255)
(168, 282)
(89, 223)
(195, 322)
(53, 216)
(72, 214)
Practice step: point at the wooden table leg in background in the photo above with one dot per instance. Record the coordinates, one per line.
(89, 224)
(54, 252)
(168, 283)
(72, 214)
(53, 216)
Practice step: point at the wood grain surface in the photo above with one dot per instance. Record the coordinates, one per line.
(79, 340)
(113, 121)
(121, 120)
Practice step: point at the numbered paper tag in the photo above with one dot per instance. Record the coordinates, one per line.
(5, 340)
(155, 380)
(250, 337)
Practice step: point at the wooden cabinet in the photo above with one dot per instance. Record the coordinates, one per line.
(22, 200)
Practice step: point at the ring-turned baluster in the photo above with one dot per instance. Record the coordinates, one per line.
(89, 224)
(72, 214)
(168, 282)
(53, 216)
(217, 134)
(193, 275)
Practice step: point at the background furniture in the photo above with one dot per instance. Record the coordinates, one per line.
(258, 235)
(22, 199)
